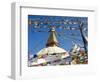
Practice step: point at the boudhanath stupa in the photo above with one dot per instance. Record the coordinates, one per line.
(52, 54)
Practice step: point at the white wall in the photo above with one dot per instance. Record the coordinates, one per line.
(5, 36)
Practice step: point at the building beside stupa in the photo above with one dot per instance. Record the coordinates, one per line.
(52, 54)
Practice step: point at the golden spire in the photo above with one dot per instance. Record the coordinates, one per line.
(52, 40)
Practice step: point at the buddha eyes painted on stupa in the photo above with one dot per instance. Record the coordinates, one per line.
(57, 40)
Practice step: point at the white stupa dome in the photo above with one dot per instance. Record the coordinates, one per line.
(52, 53)
(51, 50)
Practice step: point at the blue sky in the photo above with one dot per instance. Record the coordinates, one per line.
(39, 26)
